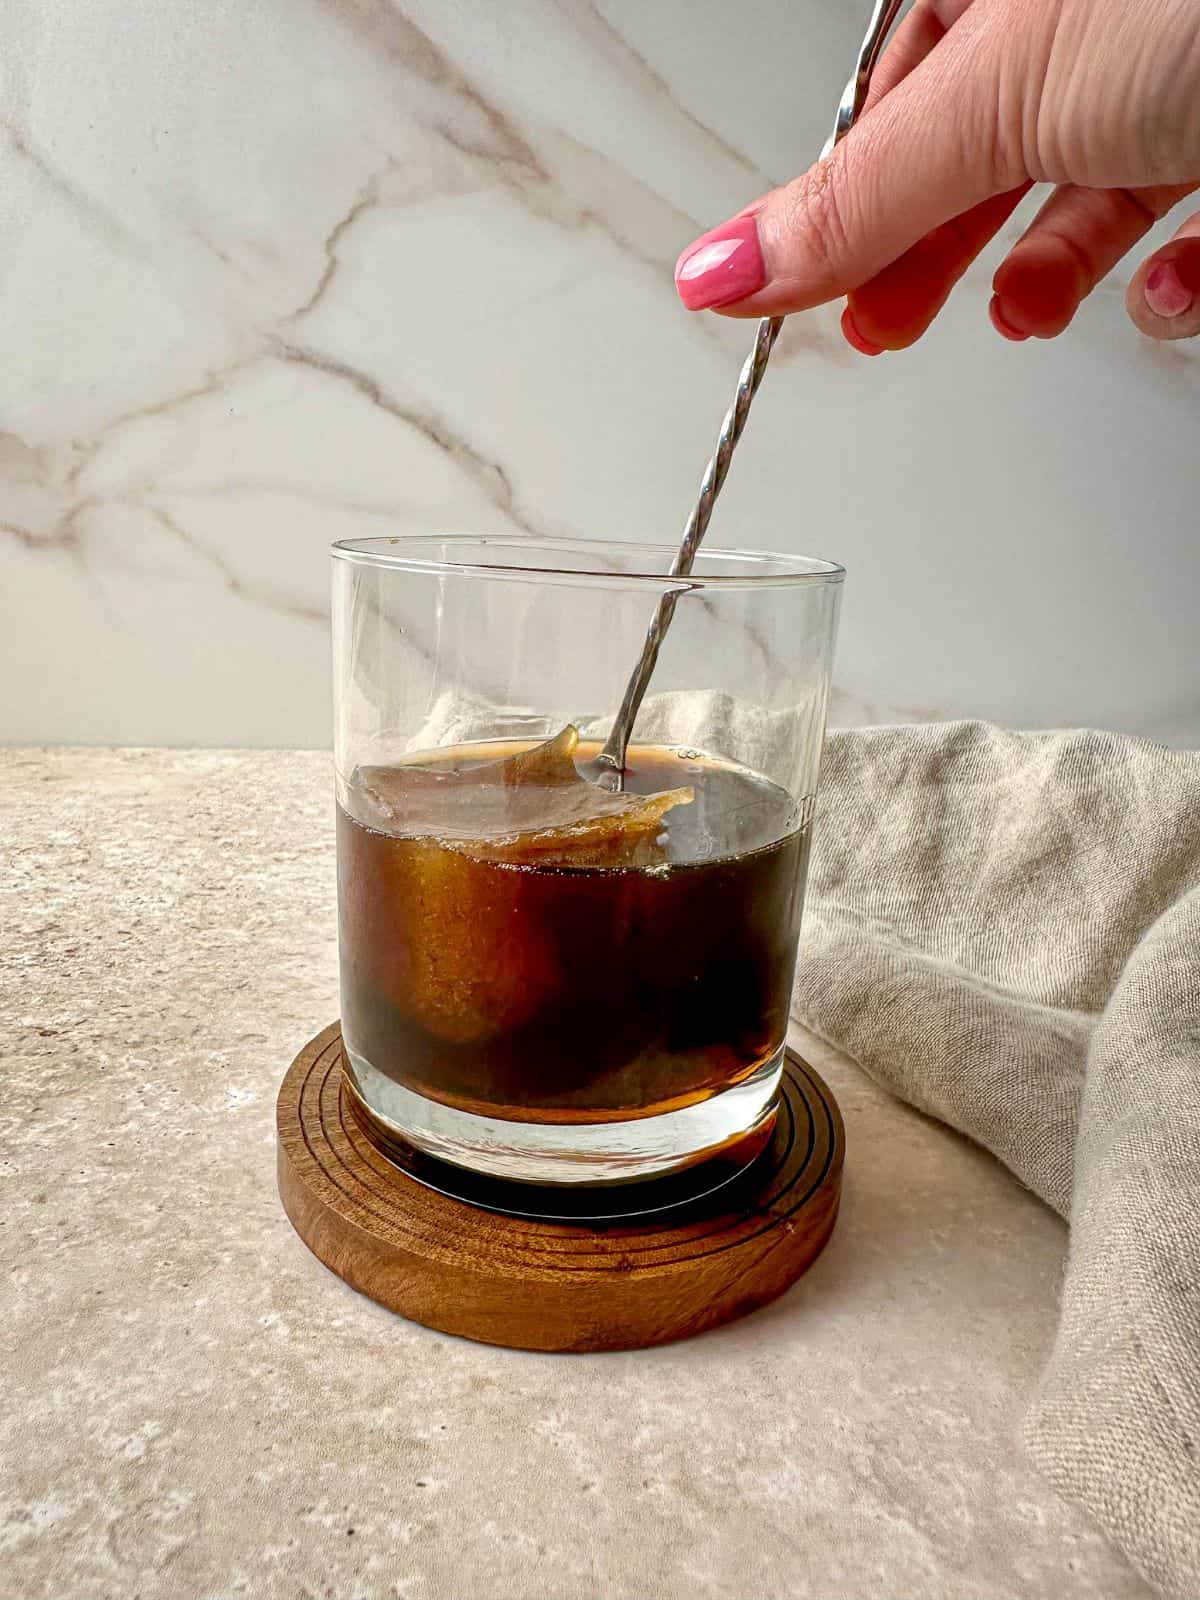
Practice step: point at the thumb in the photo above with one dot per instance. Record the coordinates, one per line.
(928, 151)
(1164, 296)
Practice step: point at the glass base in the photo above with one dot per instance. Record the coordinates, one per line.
(574, 1154)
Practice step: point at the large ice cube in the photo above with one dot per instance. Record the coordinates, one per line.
(532, 806)
(433, 909)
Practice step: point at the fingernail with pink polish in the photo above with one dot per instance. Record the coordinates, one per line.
(854, 336)
(1166, 293)
(722, 267)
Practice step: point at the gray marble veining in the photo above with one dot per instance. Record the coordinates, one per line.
(365, 265)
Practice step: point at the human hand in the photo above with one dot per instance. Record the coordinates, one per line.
(972, 103)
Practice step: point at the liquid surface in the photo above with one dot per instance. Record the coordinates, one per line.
(518, 942)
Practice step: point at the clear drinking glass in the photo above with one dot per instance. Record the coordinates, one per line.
(544, 980)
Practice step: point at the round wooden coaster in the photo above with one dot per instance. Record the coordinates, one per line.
(539, 1285)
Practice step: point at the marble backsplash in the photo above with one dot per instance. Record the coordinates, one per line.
(281, 273)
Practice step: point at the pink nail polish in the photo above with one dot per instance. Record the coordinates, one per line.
(722, 267)
(857, 339)
(1001, 326)
(1166, 293)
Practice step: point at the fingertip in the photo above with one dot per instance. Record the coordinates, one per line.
(894, 308)
(1163, 300)
(1040, 286)
(1166, 293)
(855, 338)
(1001, 323)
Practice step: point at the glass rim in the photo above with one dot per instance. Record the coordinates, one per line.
(387, 551)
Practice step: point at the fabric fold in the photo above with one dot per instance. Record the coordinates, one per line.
(1004, 929)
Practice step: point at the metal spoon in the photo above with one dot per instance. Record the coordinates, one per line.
(611, 760)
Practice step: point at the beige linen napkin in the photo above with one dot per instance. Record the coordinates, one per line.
(1004, 928)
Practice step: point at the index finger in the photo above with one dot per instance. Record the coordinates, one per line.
(925, 26)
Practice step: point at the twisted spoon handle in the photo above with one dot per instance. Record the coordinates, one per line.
(854, 96)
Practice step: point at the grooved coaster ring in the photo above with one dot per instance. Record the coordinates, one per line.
(543, 1285)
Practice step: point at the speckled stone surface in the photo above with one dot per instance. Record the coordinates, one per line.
(193, 1407)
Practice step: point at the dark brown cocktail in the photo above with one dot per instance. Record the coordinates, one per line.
(518, 944)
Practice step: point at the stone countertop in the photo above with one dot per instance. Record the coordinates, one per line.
(194, 1407)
